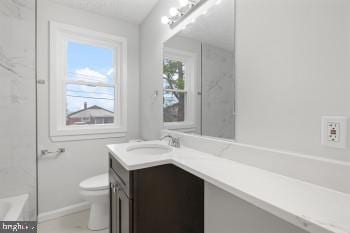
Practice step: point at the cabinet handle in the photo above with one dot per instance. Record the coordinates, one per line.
(113, 187)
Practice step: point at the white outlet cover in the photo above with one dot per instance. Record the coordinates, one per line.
(340, 124)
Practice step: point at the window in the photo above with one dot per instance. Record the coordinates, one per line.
(178, 89)
(87, 84)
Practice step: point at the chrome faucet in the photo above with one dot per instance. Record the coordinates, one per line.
(173, 141)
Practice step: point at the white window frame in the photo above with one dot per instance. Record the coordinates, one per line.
(190, 84)
(60, 35)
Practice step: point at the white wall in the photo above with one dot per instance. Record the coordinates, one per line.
(292, 69)
(59, 178)
(17, 102)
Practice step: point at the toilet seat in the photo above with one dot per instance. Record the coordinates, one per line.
(100, 182)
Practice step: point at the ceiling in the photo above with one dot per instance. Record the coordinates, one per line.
(134, 11)
(216, 27)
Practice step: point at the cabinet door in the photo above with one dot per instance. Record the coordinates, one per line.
(124, 219)
(114, 208)
(120, 218)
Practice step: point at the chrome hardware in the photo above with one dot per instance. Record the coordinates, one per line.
(115, 188)
(173, 141)
(47, 152)
(156, 93)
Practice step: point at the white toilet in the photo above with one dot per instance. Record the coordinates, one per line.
(96, 191)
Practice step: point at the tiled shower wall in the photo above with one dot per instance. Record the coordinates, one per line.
(218, 92)
(17, 102)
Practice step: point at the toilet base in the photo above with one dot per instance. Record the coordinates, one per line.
(99, 216)
(95, 190)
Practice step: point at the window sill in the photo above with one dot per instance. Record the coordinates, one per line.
(87, 134)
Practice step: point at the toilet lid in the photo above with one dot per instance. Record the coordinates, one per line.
(96, 183)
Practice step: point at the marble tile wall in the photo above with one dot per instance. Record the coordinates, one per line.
(217, 92)
(17, 101)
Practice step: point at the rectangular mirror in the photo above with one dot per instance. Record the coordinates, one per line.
(291, 59)
(198, 75)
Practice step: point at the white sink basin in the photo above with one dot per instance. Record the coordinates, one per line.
(149, 149)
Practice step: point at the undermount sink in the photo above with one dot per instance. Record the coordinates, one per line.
(149, 149)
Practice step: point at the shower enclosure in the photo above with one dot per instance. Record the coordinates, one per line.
(18, 169)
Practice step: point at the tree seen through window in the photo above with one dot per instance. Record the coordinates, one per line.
(174, 90)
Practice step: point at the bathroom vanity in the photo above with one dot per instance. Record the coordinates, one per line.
(158, 188)
(157, 199)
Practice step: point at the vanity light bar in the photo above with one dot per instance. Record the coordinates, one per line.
(177, 14)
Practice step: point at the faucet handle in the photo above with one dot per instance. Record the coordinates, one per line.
(173, 141)
(176, 142)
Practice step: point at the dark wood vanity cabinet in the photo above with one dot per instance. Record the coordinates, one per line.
(121, 199)
(161, 199)
(122, 205)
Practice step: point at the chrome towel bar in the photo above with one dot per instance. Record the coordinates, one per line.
(47, 152)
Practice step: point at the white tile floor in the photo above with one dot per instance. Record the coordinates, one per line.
(75, 223)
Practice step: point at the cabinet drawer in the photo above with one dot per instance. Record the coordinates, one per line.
(123, 176)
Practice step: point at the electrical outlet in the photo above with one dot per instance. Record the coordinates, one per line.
(334, 131)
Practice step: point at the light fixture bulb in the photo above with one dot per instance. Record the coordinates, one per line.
(184, 2)
(173, 12)
(165, 20)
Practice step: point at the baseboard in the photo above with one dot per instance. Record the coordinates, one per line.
(46, 216)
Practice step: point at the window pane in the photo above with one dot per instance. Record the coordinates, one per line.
(174, 106)
(90, 63)
(173, 74)
(89, 104)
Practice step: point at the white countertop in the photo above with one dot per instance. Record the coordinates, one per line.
(311, 207)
